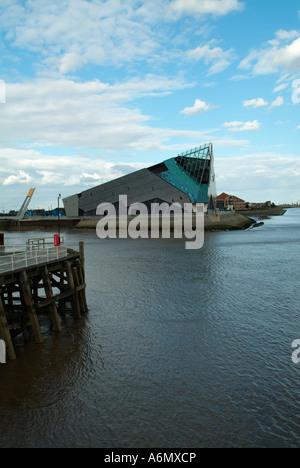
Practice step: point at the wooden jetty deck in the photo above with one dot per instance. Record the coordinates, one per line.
(40, 279)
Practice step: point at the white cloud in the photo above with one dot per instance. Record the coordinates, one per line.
(84, 115)
(298, 128)
(280, 87)
(198, 108)
(70, 33)
(91, 176)
(258, 177)
(255, 103)
(204, 7)
(279, 101)
(237, 126)
(282, 35)
(281, 53)
(50, 177)
(239, 77)
(216, 57)
(19, 178)
(70, 63)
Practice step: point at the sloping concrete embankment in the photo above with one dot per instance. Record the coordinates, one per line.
(221, 222)
(227, 222)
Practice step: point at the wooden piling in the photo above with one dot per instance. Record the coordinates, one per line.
(5, 333)
(74, 297)
(49, 293)
(82, 258)
(26, 290)
(29, 291)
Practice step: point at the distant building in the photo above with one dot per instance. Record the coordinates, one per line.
(230, 202)
(266, 204)
(187, 178)
(36, 213)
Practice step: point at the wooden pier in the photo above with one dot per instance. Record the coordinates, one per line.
(39, 280)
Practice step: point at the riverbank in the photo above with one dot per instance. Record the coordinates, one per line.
(264, 213)
(37, 223)
(220, 222)
(226, 221)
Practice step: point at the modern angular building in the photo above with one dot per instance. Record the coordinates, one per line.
(187, 178)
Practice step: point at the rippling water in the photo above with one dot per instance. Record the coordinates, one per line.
(180, 348)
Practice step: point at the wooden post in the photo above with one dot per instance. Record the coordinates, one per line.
(5, 333)
(52, 307)
(26, 290)
(74, 297)
(82, 283)
(2, 248)
(82, 259)
(81, 272)
(35, 288)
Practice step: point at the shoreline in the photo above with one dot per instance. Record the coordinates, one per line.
(264, 213)
(223, 221)
(219, 222)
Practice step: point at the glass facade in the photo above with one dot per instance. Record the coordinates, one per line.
(190, 172)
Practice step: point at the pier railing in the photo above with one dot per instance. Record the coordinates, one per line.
(42, 242)
(14, 261)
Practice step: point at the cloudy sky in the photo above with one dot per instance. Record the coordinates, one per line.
(91, 90)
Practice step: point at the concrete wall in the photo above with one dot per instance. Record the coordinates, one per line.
(140, 186)
(71, 205)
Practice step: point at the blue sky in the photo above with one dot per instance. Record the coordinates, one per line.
(91, 90)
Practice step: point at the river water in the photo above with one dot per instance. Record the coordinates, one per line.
(180, 348)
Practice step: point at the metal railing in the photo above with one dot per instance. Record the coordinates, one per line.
(14, 261)
(41, 242)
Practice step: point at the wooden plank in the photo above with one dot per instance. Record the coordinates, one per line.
(74, 297)
(77, 283)
(59, 297)
(82, 292)
(82, 258)
(5, 333)
(34, 321)
(49, 294)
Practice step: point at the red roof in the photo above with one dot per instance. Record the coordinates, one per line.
(223, 196)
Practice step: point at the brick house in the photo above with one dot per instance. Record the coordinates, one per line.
(230, 202)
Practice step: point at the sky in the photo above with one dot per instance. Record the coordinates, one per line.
(91, 90)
